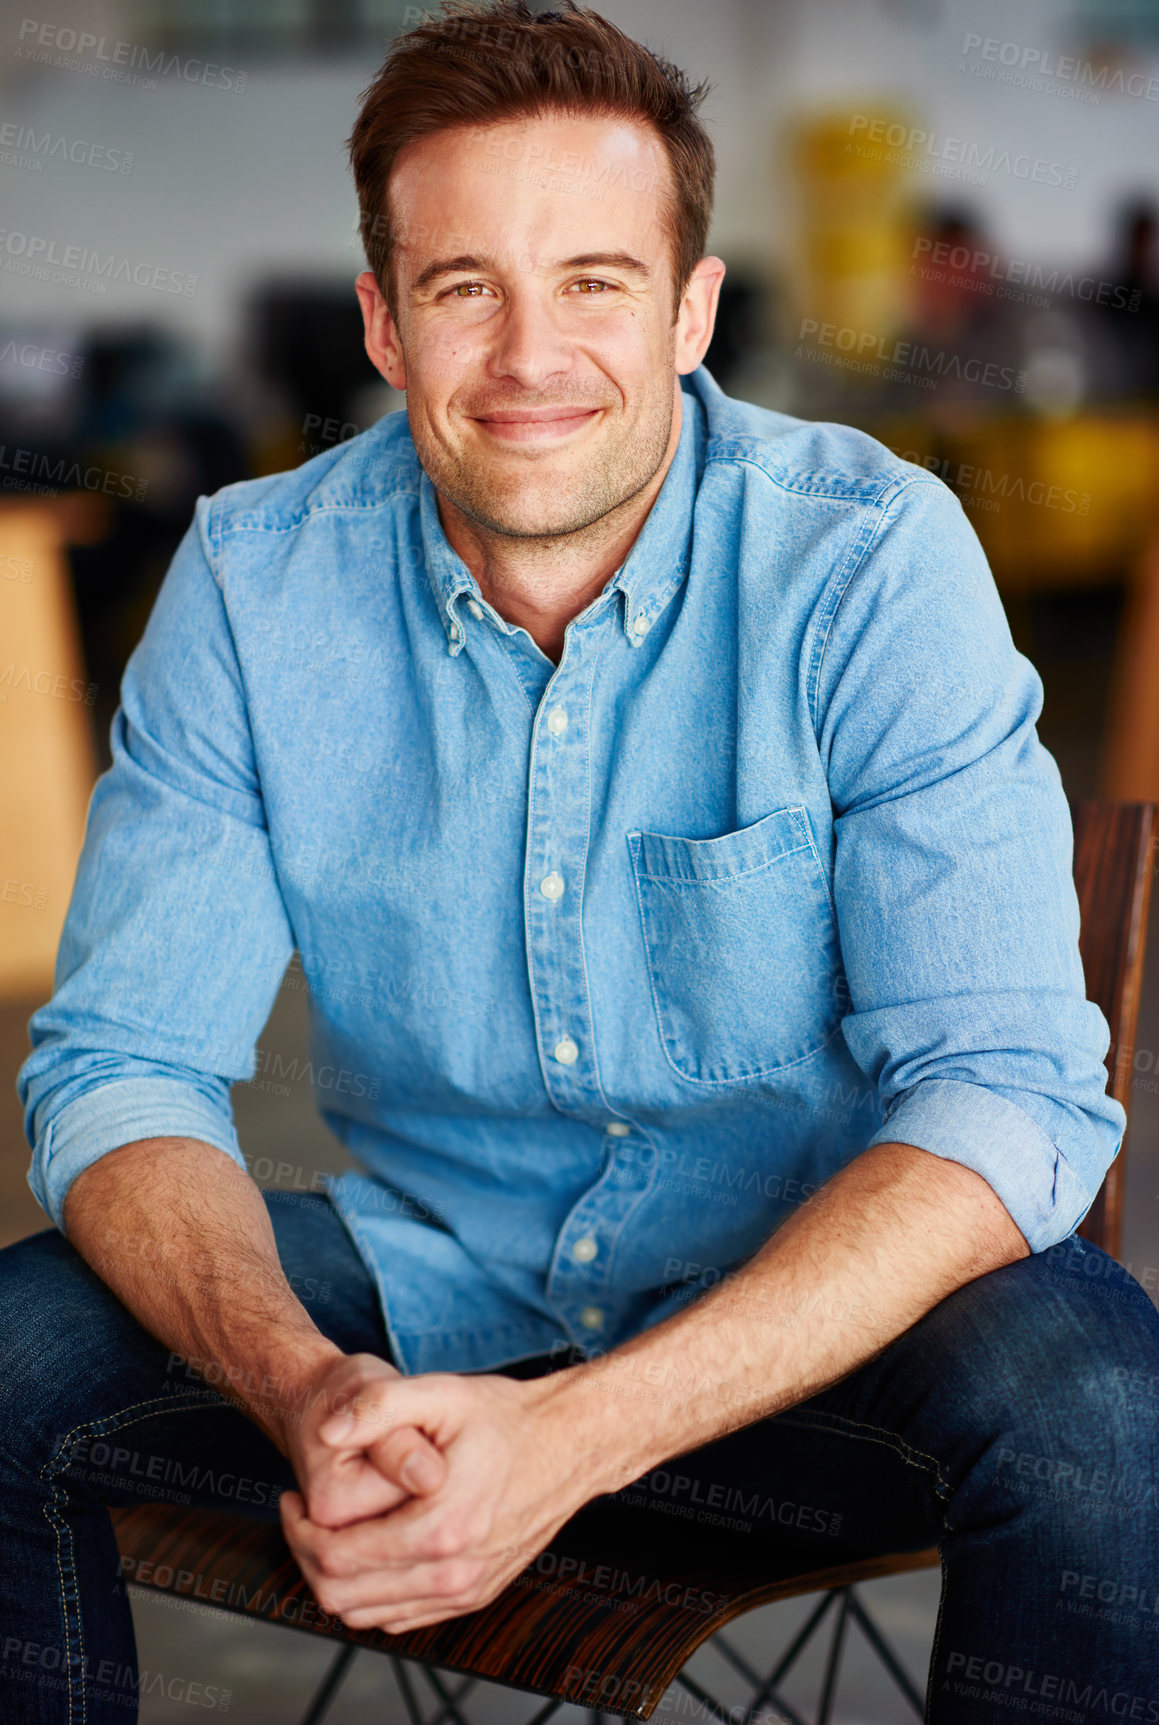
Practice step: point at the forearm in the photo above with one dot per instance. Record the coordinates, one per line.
(888, 1237)
(183, 1238)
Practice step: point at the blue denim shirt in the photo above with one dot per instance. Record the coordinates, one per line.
(621, 959)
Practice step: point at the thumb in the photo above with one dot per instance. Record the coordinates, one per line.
(411, 1460)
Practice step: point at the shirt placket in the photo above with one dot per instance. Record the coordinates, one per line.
(560, 779)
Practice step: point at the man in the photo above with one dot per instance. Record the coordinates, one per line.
(651, 788)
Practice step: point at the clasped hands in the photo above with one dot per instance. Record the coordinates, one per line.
(422, 1497)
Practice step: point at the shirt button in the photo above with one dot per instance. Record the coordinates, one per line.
(642, 625)
(474, 607)
(618, 1128)
(591, 1318)
(585, 1249)
(566, 1051)
(557, 721)
(551, 886)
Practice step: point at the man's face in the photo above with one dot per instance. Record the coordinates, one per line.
(535, 338)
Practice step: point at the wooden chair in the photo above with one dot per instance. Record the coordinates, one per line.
(572, 1645)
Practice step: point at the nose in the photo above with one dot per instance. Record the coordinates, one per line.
(530, 347)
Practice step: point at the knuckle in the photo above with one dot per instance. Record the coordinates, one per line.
(327, 1561)
(457, 1579)
(447, 1540)
(324, 1505)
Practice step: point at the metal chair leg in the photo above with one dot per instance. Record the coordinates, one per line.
(409, 1701)
(886, 1654)
(450, 1703)
(766, 1693)
(848, 1607)
(328, 1687)
(716, 1709)
(829, 1687)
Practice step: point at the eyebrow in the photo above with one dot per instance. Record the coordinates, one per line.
(586, 260)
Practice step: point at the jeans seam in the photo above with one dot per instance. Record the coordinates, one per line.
(111, 1422)
(928, 1463)
(907, 1452)
(937, 1634)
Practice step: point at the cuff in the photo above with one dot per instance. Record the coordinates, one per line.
(114, 1114)
(1000, 1141)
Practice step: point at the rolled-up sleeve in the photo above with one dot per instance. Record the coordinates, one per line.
(952, 874)
(176, 936)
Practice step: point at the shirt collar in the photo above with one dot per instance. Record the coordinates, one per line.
(649, 575)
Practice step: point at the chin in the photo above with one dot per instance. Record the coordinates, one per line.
(528, 524)
(526, 513)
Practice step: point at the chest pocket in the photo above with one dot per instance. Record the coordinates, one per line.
(743, 955)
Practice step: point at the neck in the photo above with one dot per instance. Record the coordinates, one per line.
(541, 584)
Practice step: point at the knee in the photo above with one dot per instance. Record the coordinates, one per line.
(1059, 1361)
(50, 1309)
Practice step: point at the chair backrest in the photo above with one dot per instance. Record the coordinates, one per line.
(1114, 857)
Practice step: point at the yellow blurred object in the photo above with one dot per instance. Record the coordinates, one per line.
(1075, 503)
(47, 758)
(852, 233)
(1057, 502)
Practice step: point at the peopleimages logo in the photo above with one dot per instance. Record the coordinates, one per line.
(21, 146)
(81, 51)
(33, 255)
(32, 470)
(1003, 1684)
(982, 268)
(32, 357)
(1021, 64)
(914, 147)
(867, 350)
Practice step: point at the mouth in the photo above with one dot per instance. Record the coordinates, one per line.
(535, 424)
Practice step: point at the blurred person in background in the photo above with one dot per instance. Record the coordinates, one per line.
(651, 787)
(1128, 315)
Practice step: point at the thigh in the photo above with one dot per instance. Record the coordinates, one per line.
(820, 1494)
(1054, 1357)
(98, 1405)
(1038, 1378)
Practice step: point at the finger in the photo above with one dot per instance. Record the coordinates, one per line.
(432, 1402)
(404, 1624)
(411, 1460)
(419, 1611)
(426, 1588)
(292, 1506)
(421, 1531)
(346, 1486)
(361, 1423)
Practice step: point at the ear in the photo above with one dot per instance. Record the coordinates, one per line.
(697, 315)
(382, 343)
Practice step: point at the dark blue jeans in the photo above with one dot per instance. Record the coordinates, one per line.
(1016, 1426)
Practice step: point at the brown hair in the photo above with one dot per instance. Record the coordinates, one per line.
(476, 66)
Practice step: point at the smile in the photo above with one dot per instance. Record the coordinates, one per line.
(536, 425)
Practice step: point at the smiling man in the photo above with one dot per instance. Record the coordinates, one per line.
(698, 773)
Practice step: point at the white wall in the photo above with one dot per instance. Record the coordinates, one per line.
(232, 186)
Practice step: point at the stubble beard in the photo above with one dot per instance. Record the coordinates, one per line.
(614, 474)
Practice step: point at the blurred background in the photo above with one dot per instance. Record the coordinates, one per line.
(939, 220)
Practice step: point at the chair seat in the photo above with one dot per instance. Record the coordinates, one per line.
(610, 1611)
